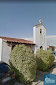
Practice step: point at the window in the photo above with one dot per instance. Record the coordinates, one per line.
(41, 31)
(41, 47)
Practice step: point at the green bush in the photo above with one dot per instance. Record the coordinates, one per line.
(44, 59)
(23, 62)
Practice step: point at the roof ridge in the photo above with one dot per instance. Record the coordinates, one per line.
(14, 38)
(9, 39)
(37, 25)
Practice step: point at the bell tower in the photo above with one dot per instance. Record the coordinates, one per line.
(39, 36)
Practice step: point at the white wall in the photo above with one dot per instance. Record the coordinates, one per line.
(6, 52)
(0, 48)
(39, 39)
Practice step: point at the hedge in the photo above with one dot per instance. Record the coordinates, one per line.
(44, 59)
(23, 62)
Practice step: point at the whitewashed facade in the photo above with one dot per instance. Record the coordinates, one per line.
(4, 51)
(0, 49)
(39, 36)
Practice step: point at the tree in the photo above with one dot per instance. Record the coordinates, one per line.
(24, 63)
(44, 59)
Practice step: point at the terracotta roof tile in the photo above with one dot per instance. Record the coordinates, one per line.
(8, 39)
(37, 25)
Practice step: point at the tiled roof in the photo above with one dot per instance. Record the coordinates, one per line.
(37, 25)
(8, 39)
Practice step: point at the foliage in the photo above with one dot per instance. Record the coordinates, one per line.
(44, 59)
(24, 64)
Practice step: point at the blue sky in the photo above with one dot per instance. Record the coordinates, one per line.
(17, 19)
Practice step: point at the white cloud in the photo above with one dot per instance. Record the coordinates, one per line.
(30, 38)
(51, 40)
(51, 36)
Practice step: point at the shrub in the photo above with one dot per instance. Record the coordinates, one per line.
(23, 62)
(44, 59)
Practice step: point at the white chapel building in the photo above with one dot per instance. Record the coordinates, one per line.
(39, 36)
